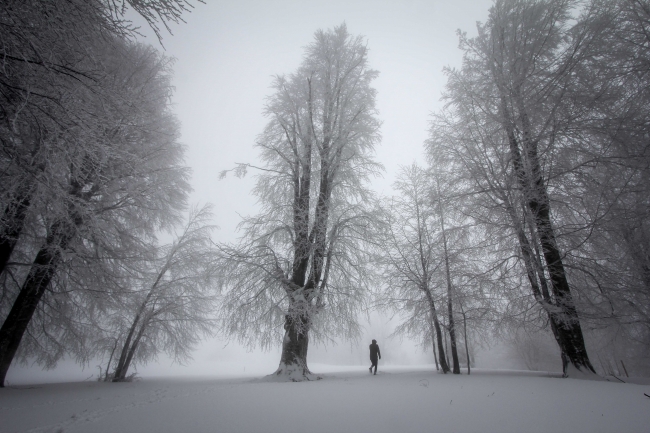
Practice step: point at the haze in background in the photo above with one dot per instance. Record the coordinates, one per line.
(227, 53)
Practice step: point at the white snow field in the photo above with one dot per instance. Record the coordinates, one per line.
(347, 399)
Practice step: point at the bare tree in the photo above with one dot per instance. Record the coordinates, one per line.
(304, 260)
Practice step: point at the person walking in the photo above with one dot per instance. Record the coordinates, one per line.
(375, 354)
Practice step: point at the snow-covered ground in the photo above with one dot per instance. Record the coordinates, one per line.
(348, 399)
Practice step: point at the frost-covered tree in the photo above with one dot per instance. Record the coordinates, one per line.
(529, 81)
(303, 262)
(411, 261)
(105, 185)
(175, 303)
(431, 257)
(51, 50)
(507, 103)
(610, 91)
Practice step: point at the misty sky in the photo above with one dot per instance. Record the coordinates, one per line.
(227, 53)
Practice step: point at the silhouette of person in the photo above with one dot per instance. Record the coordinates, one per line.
(374, 354)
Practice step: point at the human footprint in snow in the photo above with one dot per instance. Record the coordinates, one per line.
(375, 354)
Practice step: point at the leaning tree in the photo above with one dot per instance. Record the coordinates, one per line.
(302, 261)
(507, 121)
(172, 302)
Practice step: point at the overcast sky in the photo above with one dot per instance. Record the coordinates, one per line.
(227, 53)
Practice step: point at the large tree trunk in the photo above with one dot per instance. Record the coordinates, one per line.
(528, 172)
(60, 234)
(535, 274)
(568, 328)
(293, 361)
(38, 279)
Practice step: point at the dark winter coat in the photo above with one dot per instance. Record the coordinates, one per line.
(374, 352)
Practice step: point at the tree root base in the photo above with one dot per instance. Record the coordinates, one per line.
(292, 373)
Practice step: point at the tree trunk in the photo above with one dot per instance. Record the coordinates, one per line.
(18, 205)
(131, 353)
(568, 328)
(466, 344)
(293, 361)
(452, 330)
(38, 279)
(123, 363)
(433, 343)
(452, 339)
(444, 363)
(119, 373)
(110, 359)
(446, 347)
(535, 273)
(529, 175)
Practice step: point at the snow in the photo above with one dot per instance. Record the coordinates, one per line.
(583, 374)
(347, 399)
(290, 373)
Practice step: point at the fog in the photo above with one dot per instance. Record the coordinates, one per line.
(226, 54)
(222, 358)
